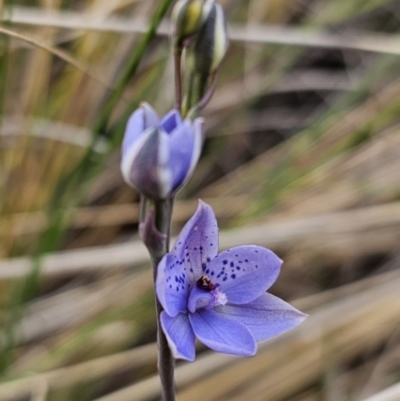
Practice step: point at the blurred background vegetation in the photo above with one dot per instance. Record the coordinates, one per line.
(302, 155)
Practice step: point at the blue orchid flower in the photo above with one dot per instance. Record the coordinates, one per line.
(219, 298)
(158, 157)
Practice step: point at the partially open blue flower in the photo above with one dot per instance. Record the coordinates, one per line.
(219, 298)
(158, 157)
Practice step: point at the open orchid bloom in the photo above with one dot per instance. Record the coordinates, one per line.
(158, 157)
(219, 298)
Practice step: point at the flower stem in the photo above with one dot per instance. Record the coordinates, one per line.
(166, 363)
(178, 77)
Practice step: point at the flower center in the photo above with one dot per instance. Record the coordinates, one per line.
(205, 295)
(204, 283)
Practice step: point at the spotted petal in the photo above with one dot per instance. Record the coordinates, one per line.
(197, 243)
(265, 317)
(244, 273)
(172, 285)
(180, 336)
(222, 334)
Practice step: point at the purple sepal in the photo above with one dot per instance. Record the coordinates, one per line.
(178, 270)
(266, 317)
(180, 336)
(172, 285)
(244, 273)
(197, 244)
(222, 334)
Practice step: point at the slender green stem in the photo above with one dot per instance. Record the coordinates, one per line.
(166, 363)
(178, 78)
(143, 208)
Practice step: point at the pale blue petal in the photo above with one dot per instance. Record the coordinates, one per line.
(146, 166)
(171, 121)
(172, 285)
(222, 334)
(134, 129)
(198, 133)
(150, 116)
(180, 336)
(244, 273)
(266, 317)
(197, 243)
(181, 151)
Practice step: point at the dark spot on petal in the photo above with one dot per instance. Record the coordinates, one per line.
(233, 276)
(225, 262)
(232, 264)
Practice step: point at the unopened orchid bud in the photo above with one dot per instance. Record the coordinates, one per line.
(187, 17)
(158, 157)
(211, 43)
(204, 56)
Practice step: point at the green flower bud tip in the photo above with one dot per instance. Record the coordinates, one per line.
(211, 44)
(187, 17)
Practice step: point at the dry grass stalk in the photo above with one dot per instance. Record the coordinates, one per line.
(390, 394)
(344, 234)
(101, 367)
(332, 334)
(84, 372)
(285, 365)
(378, 43)
(303, 153)
(120, 214)
(73, 307)
(365, 175)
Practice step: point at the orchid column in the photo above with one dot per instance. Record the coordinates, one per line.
(160, 154)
